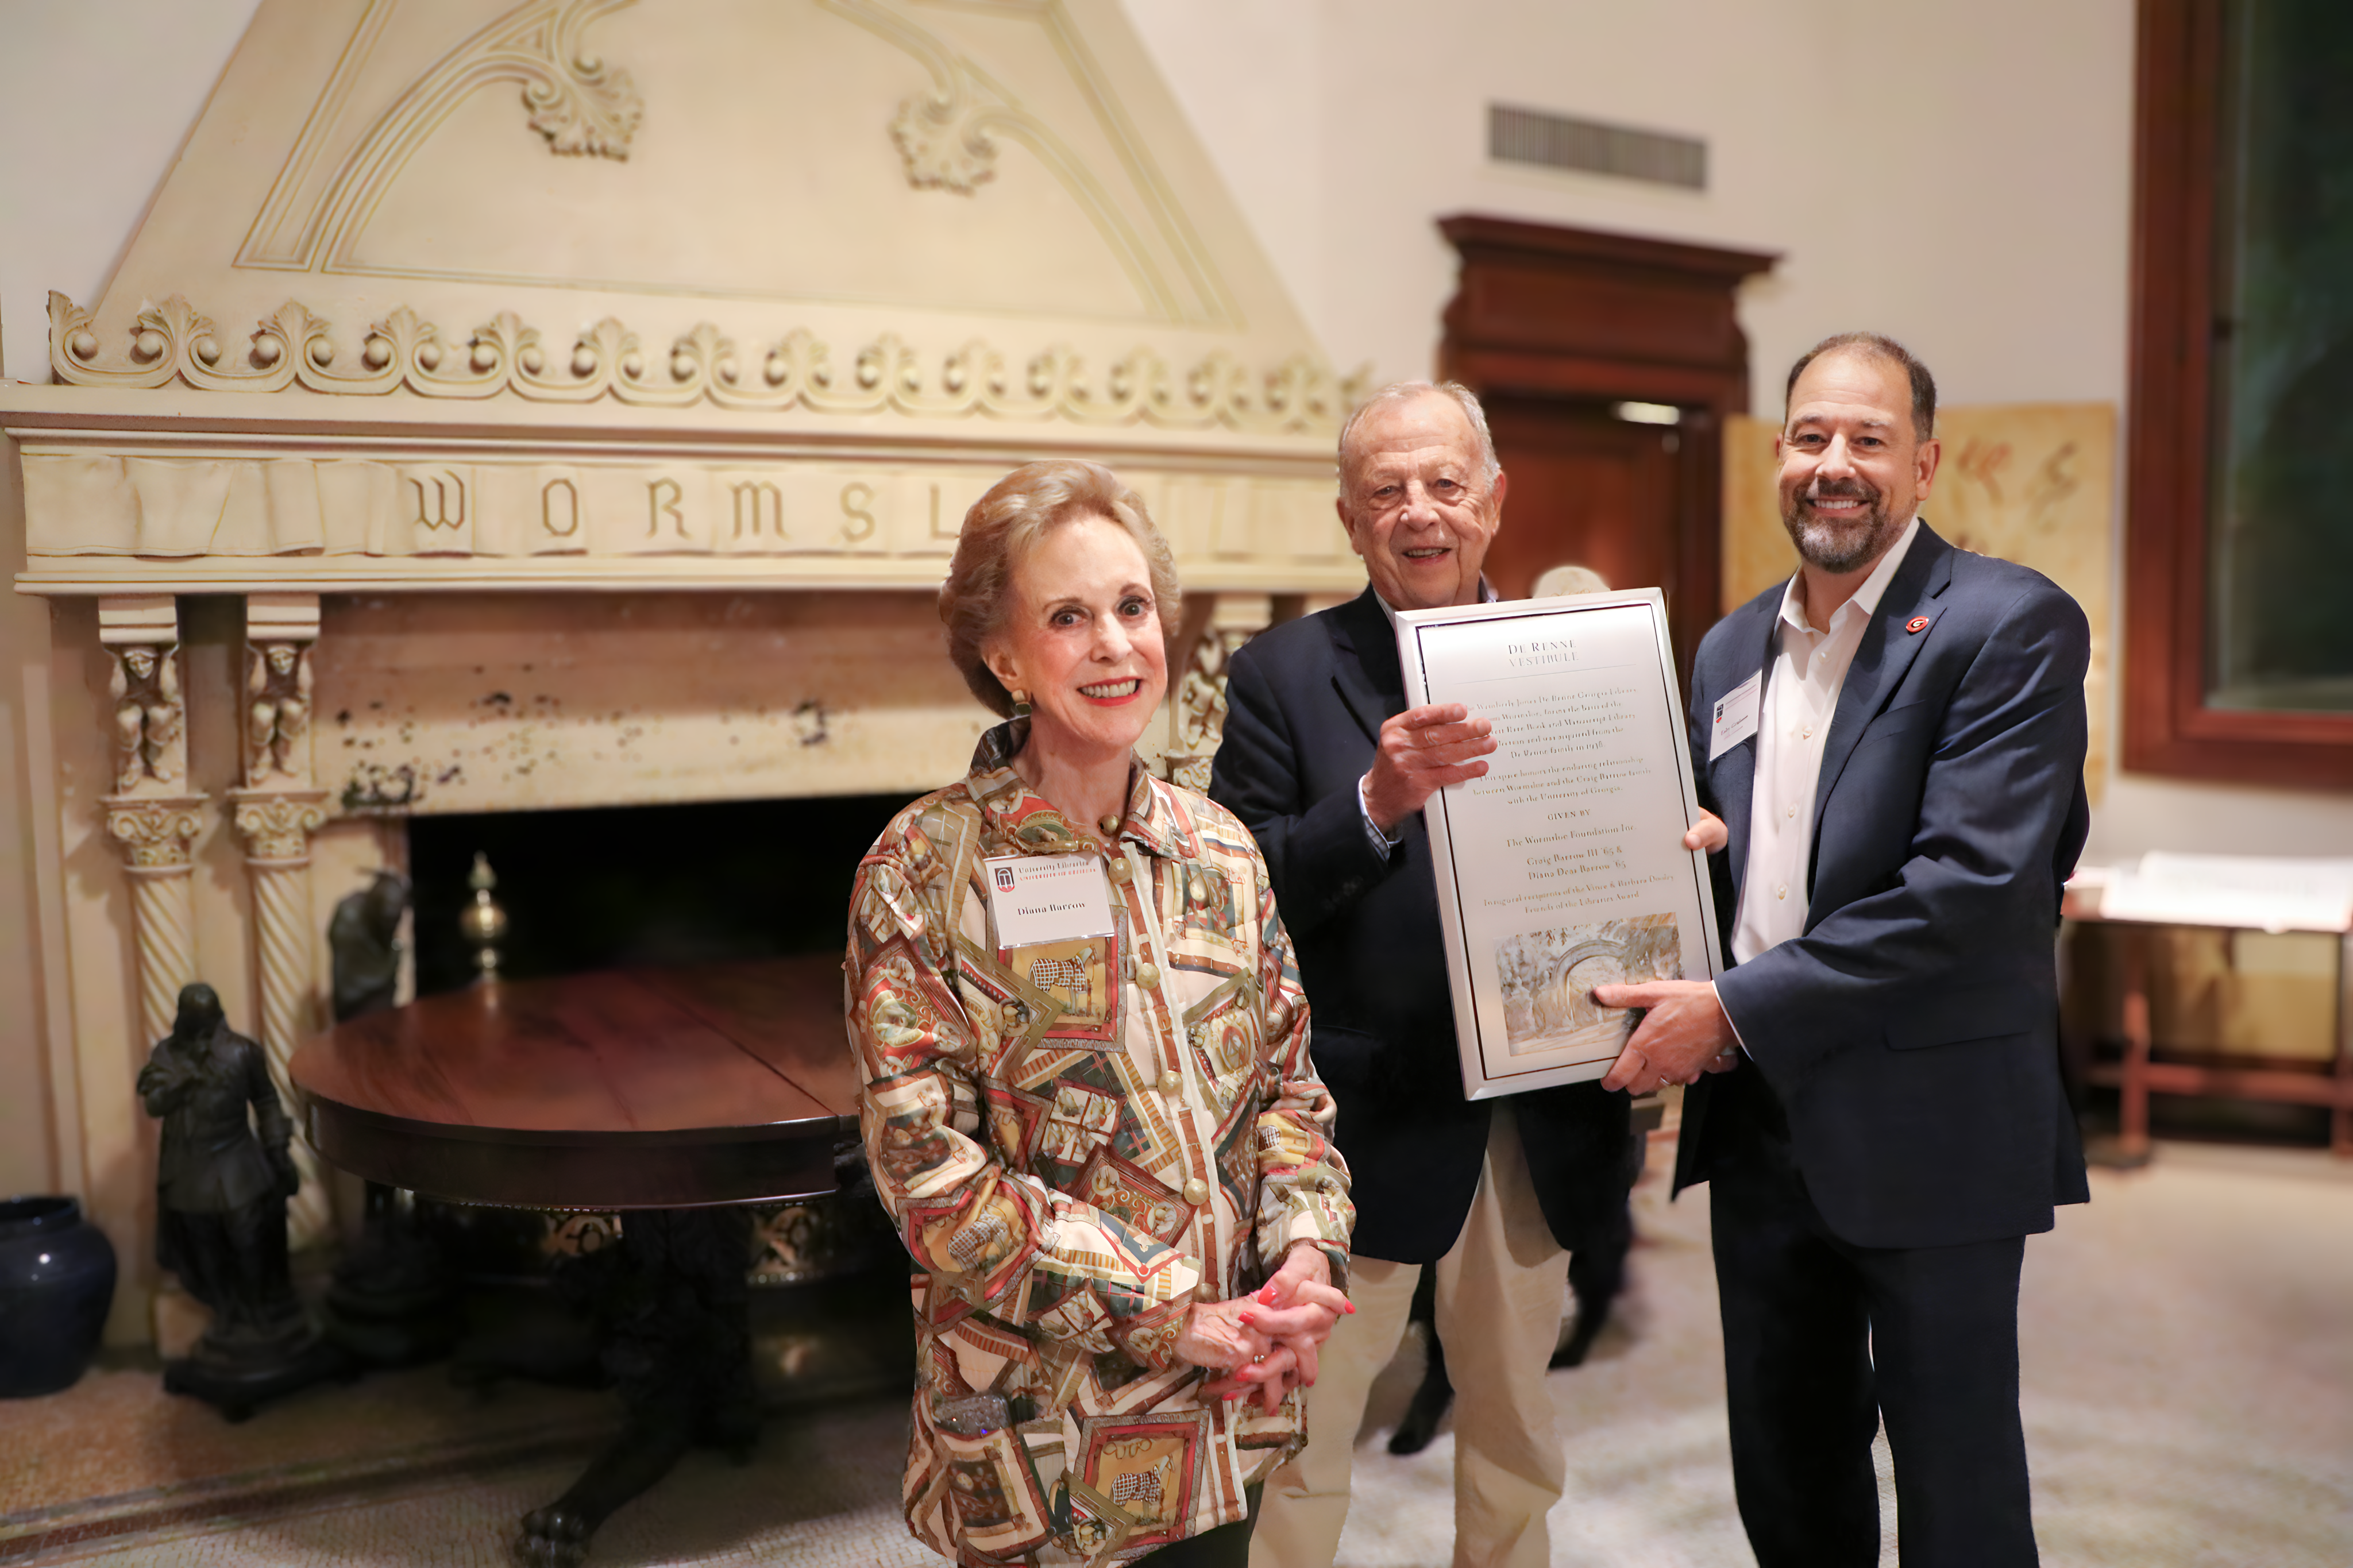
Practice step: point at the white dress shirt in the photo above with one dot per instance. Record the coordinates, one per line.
(1803, 678)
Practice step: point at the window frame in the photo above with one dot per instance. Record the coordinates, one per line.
(2168, 727)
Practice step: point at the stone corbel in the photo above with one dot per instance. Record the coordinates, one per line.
(152, 814)
(276, 724)
(274, 813)
(150, 733)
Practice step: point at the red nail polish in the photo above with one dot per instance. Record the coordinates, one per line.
(1350, 1306)
(1246, 1319)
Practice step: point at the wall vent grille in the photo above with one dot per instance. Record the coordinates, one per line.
(1558, 141)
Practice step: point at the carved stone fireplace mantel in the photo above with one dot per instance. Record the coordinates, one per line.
(123, 498)
(511, 405)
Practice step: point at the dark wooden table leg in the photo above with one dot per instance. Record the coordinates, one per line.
(2132, 1141)
(671, 1304)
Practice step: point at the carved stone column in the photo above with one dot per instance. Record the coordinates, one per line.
(156, 833)
(152, 813)
(275, 811)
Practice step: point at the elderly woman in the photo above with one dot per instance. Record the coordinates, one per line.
(1087, 1099)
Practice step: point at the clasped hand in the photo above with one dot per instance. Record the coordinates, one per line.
(1265, 1343)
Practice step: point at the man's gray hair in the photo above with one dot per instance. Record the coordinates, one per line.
(1398, 392)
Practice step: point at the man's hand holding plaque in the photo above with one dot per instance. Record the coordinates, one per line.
(1422, 751)
(1683, 1032)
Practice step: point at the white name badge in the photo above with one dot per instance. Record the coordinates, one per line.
(1035, 899)
(1735, 716)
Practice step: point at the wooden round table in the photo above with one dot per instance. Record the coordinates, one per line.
(677, 1095)
(722, 1083)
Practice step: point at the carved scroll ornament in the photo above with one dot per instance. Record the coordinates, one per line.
(172, 341)
(578, 102)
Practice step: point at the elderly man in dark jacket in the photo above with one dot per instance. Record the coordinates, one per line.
(1326, 765)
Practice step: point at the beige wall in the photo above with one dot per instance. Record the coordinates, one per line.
(71, 194)
(1957, 174)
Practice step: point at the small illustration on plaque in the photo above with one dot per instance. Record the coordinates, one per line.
(1548, 978)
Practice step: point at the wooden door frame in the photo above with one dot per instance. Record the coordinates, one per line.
(1543, 310)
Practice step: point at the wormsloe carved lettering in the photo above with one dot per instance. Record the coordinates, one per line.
(105, 521)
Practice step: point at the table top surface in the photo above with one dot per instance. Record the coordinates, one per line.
(752, 1047)
(2087, 902)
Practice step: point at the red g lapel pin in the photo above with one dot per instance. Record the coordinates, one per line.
(1917, 624)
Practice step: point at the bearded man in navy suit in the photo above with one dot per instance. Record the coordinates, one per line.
(1894, 741)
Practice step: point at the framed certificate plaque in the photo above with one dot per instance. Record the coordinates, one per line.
(1564, 867)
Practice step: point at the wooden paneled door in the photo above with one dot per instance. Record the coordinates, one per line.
(1587, 488)
(1555, 329)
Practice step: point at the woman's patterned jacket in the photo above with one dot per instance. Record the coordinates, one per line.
(1077, 1141)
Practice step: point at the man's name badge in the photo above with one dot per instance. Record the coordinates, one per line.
(1735, 716)
(1036, 899)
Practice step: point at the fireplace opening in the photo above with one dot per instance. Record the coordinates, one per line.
(616, 887)
(608, 888)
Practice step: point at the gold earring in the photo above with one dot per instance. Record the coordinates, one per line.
(1021, 703)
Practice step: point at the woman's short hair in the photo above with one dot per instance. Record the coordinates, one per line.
(1001, 530)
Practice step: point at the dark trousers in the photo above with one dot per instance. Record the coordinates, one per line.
(1822, 1340)
(1227, 1546)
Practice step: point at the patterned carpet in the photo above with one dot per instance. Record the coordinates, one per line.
(2189, 1362)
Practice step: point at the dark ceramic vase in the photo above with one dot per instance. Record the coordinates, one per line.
(56, 1280)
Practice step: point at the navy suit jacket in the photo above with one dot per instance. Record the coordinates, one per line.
(1305, 705)
(1911, 1034)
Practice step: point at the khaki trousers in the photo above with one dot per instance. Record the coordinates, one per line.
(1501, 1291)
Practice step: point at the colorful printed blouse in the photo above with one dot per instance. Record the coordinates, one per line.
(1078, 1139)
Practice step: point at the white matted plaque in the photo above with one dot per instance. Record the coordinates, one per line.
(1564, 867)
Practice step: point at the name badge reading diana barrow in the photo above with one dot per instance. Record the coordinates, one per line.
(1036, 898)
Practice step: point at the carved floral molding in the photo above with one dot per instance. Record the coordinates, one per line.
(154, 832)
(942, 135)
(942, 138)
(292, 346)
(277, 825)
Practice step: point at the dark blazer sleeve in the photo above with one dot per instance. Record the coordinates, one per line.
(1318, 855)
(1903, 964)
